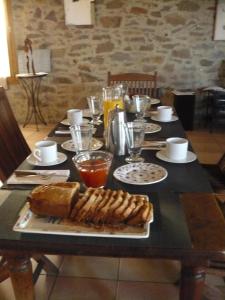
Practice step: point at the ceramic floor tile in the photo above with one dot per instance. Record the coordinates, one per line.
(43, 287)
(214, 280)
(213, 293)
(90, 266)
(71, 288)
(146, 291)
(6, 291)
(154, 270)
(208, 158)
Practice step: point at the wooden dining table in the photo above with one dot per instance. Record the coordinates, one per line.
(188, 224)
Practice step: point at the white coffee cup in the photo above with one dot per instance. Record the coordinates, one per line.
(75, 116)
(176, 148)
(45, 151)
(164, 113)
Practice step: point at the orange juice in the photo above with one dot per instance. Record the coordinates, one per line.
(109, 105)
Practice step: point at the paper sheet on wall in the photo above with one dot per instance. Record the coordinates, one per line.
(78, 12)
(42, 61)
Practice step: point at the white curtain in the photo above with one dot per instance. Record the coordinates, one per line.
(4, 57)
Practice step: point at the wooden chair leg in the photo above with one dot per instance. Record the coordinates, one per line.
(43, 263)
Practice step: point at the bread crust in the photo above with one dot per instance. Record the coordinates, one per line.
(96, 206)
(54, 199)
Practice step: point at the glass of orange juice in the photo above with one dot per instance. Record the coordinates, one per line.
(112, 96)
(93, 167)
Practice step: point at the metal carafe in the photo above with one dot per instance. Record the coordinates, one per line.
(115, 133)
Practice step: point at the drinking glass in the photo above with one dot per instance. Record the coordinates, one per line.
(81, 136)
(140, 104)
(95, 106)
(134, 132)
(112, 96)
(93, 167)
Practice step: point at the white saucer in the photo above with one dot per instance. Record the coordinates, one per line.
(33, 161)
(155, 118)
(140, 173)
(190, 157)
(152, 128)
(69, 146)
(154, 101)
(66, 122)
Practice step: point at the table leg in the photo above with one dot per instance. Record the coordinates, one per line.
(192, 282)
(20, 270)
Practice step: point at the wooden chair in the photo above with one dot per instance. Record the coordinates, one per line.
(142, 84)
(13, 150)
(216, 176)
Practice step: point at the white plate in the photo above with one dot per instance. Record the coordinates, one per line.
(190, 157)
(154, 101)
(152, 127)
(66, 122)
(155, 118)
(33, 161)
(30, 223)
(69, 146)
(140, 173)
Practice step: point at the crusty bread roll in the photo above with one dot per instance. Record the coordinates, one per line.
(55, 199)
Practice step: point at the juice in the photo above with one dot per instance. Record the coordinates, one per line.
(109, 105)
(94, 172)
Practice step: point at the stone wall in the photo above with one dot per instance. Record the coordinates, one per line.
(173, 37)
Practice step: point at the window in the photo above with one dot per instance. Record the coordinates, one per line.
(4, 57)
(8, 61)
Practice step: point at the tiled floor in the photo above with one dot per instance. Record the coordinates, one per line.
(95, 278)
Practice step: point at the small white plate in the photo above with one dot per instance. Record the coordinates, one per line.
(66, 122)
(140, 173)
(154, 101)
(190, 157)
(152, 127)
(155, 118)
(69, 146)
(33, 161)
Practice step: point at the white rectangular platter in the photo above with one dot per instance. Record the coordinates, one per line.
(31, 223)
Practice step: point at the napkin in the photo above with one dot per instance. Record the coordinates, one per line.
(68, 131)
(54, 176)
(153, 145)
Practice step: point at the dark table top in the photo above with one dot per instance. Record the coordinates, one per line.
(169, 236)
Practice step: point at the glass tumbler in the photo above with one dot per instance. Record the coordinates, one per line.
(81, 136)
(134, 133)
(95, 106)
(140, 104)
(93, 167)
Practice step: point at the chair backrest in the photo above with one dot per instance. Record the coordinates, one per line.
(142, 84)
(13, 146)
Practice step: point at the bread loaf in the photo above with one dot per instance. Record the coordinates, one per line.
(110, 207)
(55, 199)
